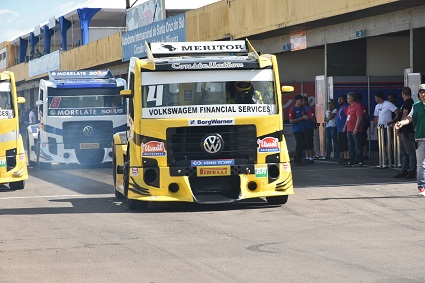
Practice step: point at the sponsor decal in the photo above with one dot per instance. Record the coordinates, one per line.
(211, 122)
(268, 144)
(4, 114)
(22, 157)
(86, 111)
(204, 171)
(209, 111)
(199, 47)
(80, 74)
(2, 162)
(261, 171)
(135, 171)
(216, 162)
(286, 167)
(210, 65)
(153, 148)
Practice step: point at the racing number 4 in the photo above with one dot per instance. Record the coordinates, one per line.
(155, 93)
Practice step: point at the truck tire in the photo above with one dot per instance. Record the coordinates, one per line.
(131, 203)
(30, 163)
(118, 195)
(137, 204)
(41, 165)
(17, 185)
(277, 200)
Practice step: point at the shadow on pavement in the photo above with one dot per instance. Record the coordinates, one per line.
(112, 205)
(330, 173)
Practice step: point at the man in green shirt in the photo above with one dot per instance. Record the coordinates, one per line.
(417, 116)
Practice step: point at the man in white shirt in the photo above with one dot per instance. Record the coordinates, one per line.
(383, 116)
(32, 116)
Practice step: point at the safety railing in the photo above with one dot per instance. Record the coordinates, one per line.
(390, 150)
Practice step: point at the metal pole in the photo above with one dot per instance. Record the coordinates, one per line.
(396, 146)
(381, 146)
(388, 147)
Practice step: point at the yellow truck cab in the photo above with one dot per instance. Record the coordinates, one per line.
(13, 161)
(204, 125)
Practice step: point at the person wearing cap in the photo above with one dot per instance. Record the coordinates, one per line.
(243, 92)
(298, 120)
(417, 116)
(407, 139)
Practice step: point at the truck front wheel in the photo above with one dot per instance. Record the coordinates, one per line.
(118, 195)
(277, 199)
(131, 203)
(17, 185)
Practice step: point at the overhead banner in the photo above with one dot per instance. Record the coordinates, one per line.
(145, 14)
(172, 29)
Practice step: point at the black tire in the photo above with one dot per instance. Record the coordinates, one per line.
(30, 163)
(41, 165)
(45, 165)
(118, 195)
(20, 185)
(137, 204)
(277, 200)
(131, 203)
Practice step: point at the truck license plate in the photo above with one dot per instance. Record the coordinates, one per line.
(89, 145)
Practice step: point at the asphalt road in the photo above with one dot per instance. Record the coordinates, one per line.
(342, 225)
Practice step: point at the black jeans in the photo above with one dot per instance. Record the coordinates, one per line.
(299, 149)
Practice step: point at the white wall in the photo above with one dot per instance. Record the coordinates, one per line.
(387, 56)
(98, 33)
(302, 65)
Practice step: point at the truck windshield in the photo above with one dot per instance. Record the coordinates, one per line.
(85, 102)
(6, 102)
(208, 94)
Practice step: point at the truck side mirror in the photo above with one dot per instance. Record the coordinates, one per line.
(21, 100)
(126, 93)
(287, 88)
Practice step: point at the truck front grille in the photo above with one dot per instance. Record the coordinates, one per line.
(184, 144)
(78, 132)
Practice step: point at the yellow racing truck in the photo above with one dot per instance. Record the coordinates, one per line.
(204, 125)
(13, 161)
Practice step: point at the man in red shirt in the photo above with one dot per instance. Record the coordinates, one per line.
(354, 129)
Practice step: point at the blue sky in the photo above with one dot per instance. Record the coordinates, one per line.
(21, 16)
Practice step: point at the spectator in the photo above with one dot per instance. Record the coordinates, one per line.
(341, 118)
(366, 125)
(417, 116)
(310, 125)
(297, 119)
(331, 131)
(407, 139)
(382, 113)
(353, 126)
(32, 116)
(38, 53)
